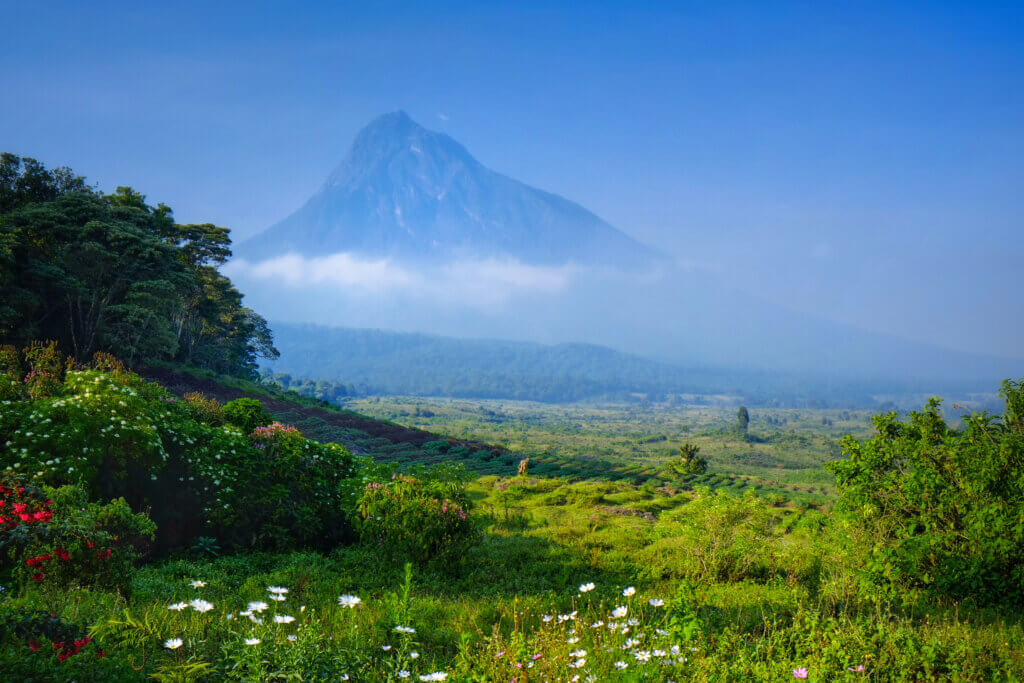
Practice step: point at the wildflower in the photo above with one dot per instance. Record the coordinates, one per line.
(403, 674)
(586, 587)
(349, 601)
(578, 653)
(597, 624)
(536, 656)
(436, 676)
(201, 605)
(656, 602)
(642, 656)
(257, 606)
(800, 673)
(385, 647)
(283, 619)
(546, 618)
(178, 606)
(252, 641)
(414, 655)
(278, 590)
(173, 643)
(198, 584)
(277, 597)
(405, 629)
(620, 665)
(619, 612)
(578, 663)
(856, 669)
(498, 656)
(292, 637)
(573, 640)
(629, 592)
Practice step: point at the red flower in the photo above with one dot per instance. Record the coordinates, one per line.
(58, 646)
(37, 577)
(101, 653)
(34, 645)
(62, 554)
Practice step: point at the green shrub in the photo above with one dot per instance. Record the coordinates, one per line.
(945, 507)
(246, 413)
(415, 519)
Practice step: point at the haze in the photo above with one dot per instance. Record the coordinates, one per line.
(860, 165)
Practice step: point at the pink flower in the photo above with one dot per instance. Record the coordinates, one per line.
(800, 673)
(856, 669)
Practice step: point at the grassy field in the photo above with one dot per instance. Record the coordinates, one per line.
(784, 451)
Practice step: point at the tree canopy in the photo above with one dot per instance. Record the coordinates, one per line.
(99, 272)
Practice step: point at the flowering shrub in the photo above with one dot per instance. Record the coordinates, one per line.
(46, 635)
(415, 519)
(119, 436)
(55, 538)
(246, 413)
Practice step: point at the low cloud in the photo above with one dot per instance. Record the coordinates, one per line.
(471, 282)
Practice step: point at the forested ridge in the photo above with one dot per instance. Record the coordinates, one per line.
(111, 272)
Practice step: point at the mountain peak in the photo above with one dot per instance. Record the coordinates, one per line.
(409, 193)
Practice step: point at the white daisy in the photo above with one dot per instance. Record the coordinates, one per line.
(173, 643)
(349, 601)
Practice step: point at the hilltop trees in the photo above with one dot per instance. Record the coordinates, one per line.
(110, 272)
(742, 421)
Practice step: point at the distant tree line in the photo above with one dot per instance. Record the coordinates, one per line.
(110, 272)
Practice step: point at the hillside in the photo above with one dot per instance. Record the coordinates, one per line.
(409, 193)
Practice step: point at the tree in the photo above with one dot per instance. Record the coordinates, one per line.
(742, 421)
(687, 463)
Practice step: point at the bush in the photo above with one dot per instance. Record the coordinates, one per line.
(118, 436)
(414, 519)
(204, 409)
(57, 539)
(246, 413)
(944, 506)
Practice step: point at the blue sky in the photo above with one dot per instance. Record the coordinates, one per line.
(860, 161)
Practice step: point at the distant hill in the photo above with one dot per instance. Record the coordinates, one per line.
(364, 361)
(412, 194)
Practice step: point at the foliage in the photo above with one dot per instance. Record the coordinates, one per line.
(945, 507)
(110, 272)
(246, 413)
(119, 436)
(204, 409)
(688, 462)
(415, 519)
(58, 539)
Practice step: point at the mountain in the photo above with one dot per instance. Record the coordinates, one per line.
(412, 194)
(370, 361)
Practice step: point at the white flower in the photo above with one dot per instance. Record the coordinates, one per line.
(414, 655)
(385, 647)
(252, 641)
(277, 597)
(597, 624)
(573, 640)
(178, 606)
(403, 674)
(173, 643)
(629, 592)
(660, 653)
(277, 589)
(436, 676)
(546, 618)
(198, 584)
(349, 601)
(578, 663)
(656, 602)
(292, 637)
(619, 612)
(405, 629)
(201, 605)
(620, 665)
(632, 642)
(586, 587)
(578, 653)
(283, 619)
(642, 656)
(257, 606)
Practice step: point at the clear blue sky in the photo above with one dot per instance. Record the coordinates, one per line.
(863, 161)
